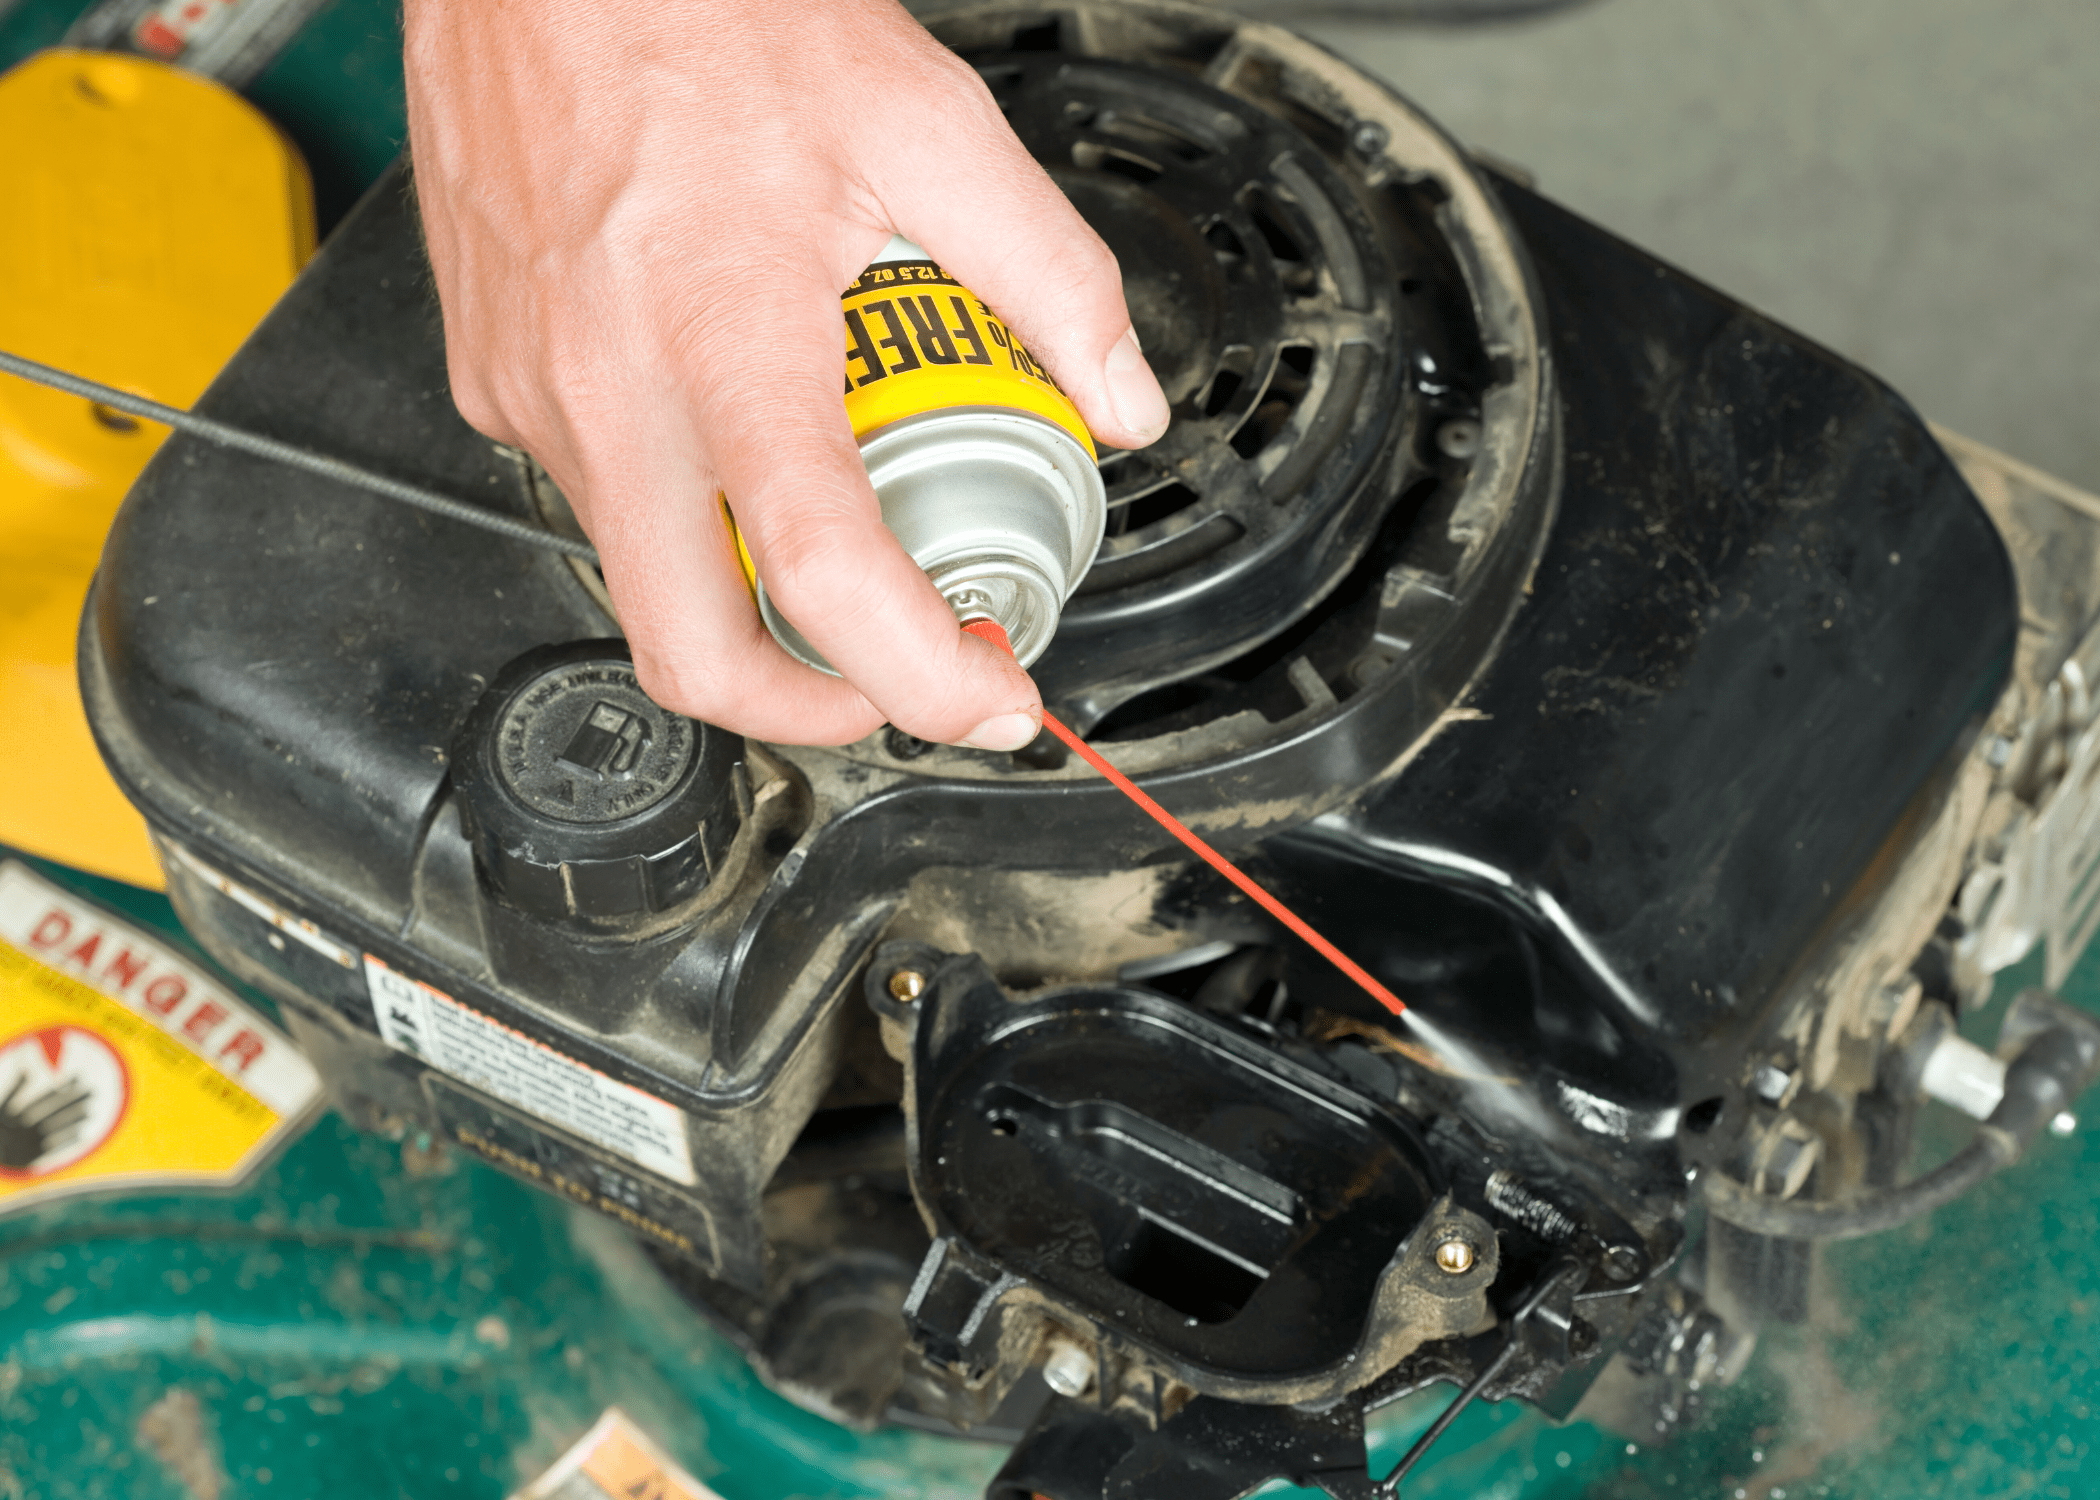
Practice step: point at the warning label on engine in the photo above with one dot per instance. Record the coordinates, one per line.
(615, 1461)
(510, 1066)
(122, 1065)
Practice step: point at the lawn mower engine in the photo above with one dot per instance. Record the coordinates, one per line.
(1634, 687)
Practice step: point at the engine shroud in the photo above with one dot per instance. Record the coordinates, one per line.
(1583, 652)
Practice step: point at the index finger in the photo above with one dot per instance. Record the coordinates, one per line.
(780, 441)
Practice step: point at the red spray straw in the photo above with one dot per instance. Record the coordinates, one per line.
(990, 630)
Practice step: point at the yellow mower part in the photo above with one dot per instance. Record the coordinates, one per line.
(152, 218)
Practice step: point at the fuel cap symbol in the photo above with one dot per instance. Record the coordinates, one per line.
(586, 799)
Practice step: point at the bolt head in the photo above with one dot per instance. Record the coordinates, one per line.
(1622, 1262)
(907, 985)
(2064, 1124)
(1455, 1257)
(1068, 1369)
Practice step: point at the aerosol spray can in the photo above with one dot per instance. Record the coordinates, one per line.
(984, 469)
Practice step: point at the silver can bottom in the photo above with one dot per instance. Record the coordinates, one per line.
(1003, 510)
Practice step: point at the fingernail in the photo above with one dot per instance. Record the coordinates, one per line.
(1140, 404)
(1002, 732)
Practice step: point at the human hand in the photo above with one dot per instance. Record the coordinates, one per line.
(41, 1123)
(640, 220)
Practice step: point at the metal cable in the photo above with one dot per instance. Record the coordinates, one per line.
(1865, 1213)
(293, 456)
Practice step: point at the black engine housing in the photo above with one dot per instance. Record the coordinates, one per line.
(1581, 651)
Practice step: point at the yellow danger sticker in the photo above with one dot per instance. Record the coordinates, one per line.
(122, 1065)
(615, 1461)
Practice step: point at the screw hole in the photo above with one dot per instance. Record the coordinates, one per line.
(1703, 1116)
(1459, 438)
(902, 746)
(113, 419)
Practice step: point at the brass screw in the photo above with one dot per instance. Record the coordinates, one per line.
(1455, 1257)
(907, 985)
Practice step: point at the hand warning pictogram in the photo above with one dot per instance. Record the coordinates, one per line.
(63, 1090)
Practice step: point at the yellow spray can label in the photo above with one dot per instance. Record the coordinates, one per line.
(983, 469)
(918, 341)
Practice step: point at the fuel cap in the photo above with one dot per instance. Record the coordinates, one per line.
(584, 799)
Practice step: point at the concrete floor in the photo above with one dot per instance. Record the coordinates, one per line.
(1915, 183)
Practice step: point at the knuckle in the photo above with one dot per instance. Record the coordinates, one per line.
(570, 387)
(480, 411)
(960, 92)
(476, 403)
(702, 339)
(708, 334)
(810, 570)
(682, 684)
(1082, 270)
